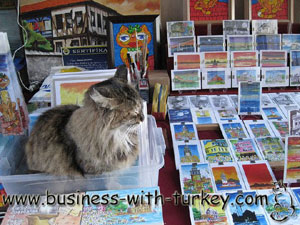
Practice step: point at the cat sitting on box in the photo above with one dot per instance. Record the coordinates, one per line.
(98, 137)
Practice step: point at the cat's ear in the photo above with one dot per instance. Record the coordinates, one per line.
(102, 101)
(123, 29)
(122, 73)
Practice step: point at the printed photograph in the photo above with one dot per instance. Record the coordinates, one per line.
(184, 132)
(216, 151)
(186, 61)
(234, 130)
(185, 79)
(268, 42)
(272, 148)
(250, 95)
(245, 150)
(181, 44)
(211, 43)
(290, 42)
(178, 102)
(273, 59)
(239, 43)
(188, 153)
(236, 27)
(195, 178)
(264, 27)
(295, 58)
(244, 59)
(180, 28)
(180, 115)
(200, 101)
(292, 163)
(215, 60)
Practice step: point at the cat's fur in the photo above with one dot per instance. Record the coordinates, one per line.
(97, 137)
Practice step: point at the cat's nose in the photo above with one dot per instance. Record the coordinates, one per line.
(142, 117)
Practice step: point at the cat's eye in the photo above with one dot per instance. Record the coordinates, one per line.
(124, 37)
(140, 36)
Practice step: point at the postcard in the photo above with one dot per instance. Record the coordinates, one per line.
(245, 214)
(215, 78)
(264, 27)
(187, 153)
(220, 101)
(292, 162)
(295, 76)
(294, 125)
(245, 74)
(227, 114)
(215, 60)
(286, 108)
(280, 127)
(216, 150)
(233, 130)
(180, 29)
(213, 43)
(199, 101)
(290, 42)
(180, 115)
(185, 80)
(227, 177)
(296, 97)
(275, 77)
(268, 42)
(236, 27)
(178, 102)
(234, 100)
(272, 148)
(272, 112)
(183, 61)
(266, 100)
(202, 213)
(282, 98)
(144, 212)
(240, 43)
(195, 178)
(249, 98)
(271, 58)
(184, 132)
(203, 116)
(296, 192)
(294, 58)
(181, 44)
(284, 203)
(258, 128)
(245, 150)
(257, 175)
(244, 59)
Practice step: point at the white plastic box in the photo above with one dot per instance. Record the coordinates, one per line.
(143, 175)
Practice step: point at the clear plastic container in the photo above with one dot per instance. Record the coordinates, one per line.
(145, 174)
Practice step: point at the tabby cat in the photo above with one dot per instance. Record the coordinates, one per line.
(97, 137)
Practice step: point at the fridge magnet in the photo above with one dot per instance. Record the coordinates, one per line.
(183, 61)
(185, 80)
(220, 101)
(245, 150)
(292, 162)
(290, 42)
(282, 98)
(270, 58)
(178, 102)
(239, 42)
(215, 60)
(236, 27)
(268, 42)
(245, 213)
(233, 130)
(184, 132)
(207, 213)
(286, 108)
(187, 153)
(280, 127)
(295, 76)
(266, 100)
(294, 125)
(180, 29)
(249, 98)
(215, 43)
(228, 114)
(272, 148)
(199, 101)
(203, 116)
(216, 78)
(275, 77)
(272, 113)
(227, 177)
(216, 151)
(246, 74)
(258, 128)
(257, 175)
(181, 44)
(180, 115)
(294, 58)
(264, 27)
(195, 178)
(244, 59)
(234, 100)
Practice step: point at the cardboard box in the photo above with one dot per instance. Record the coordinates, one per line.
(158, 76)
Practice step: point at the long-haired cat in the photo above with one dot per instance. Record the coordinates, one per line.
(97, 137)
